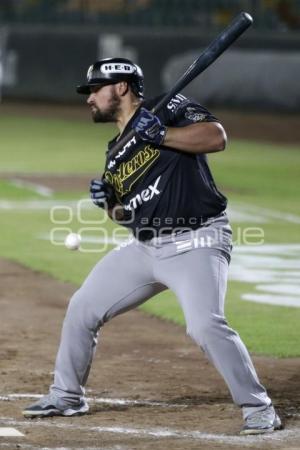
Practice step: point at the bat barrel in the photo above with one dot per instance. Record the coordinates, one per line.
(234, 30)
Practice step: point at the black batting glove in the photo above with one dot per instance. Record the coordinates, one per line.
(102, 194)
(149, 127)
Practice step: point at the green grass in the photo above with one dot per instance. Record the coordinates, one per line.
(9, 191)
(31, 144)
(263, 174)
(249, 173)
(267, 330)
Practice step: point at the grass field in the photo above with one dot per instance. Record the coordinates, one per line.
(261, 180)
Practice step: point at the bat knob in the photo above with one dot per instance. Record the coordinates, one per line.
(247, 17)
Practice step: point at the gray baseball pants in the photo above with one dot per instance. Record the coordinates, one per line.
(194, 265)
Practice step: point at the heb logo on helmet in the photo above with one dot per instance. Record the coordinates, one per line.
(117, 68)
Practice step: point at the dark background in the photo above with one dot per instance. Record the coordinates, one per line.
(47, 46)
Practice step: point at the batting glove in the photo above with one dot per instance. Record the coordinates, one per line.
(102, 193)
(149, 127)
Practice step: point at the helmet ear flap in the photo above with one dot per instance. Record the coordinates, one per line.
(137, 89)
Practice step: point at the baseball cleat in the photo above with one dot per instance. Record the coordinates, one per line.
(263, 421)
(49, 406)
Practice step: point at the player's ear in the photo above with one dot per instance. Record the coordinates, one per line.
(122, 88)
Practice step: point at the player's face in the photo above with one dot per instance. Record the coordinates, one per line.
(104, 103)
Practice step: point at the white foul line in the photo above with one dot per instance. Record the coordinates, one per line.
(26, 205)
(265, 212)
(35, 187)
(145, 432)
(103, 400)
(30, 447)
(160, 433)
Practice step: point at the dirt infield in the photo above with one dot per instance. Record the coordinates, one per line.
(150, 387)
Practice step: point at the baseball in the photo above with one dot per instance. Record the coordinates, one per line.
(72, 241)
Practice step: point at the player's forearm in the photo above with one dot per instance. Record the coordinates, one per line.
(204, 137)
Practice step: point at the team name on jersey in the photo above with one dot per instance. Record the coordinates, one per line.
(129, 172)
(145, 196)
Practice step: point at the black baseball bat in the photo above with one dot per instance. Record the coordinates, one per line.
(234, 30)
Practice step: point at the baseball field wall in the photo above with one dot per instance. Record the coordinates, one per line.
(259, 71)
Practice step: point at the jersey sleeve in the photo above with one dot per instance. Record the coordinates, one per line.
(182, 111)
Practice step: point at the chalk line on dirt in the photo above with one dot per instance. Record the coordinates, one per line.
(101, 400)
(160, 433)
(30, 447)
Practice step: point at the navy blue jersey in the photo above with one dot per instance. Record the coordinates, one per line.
(162, 189)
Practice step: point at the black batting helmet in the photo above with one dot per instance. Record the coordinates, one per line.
(111, 71)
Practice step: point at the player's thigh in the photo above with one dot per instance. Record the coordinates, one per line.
(121, 280)
(199, 280)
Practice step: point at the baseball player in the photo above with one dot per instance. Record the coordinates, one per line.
(160, 187)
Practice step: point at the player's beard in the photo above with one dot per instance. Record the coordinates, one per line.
(110, 113)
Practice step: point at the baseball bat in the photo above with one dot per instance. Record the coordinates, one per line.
(234, 30)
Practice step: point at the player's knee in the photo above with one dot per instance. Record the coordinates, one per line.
(79, 314)
(208, 329)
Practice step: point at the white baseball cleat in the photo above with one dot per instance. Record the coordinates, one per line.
(50, 405)
(261, 421)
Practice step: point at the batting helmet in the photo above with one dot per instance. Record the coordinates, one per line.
(111, 71)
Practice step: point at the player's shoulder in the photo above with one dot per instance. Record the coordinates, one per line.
(178, 100)
(181, 107)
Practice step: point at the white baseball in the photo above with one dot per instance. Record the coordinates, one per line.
(72, 241)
